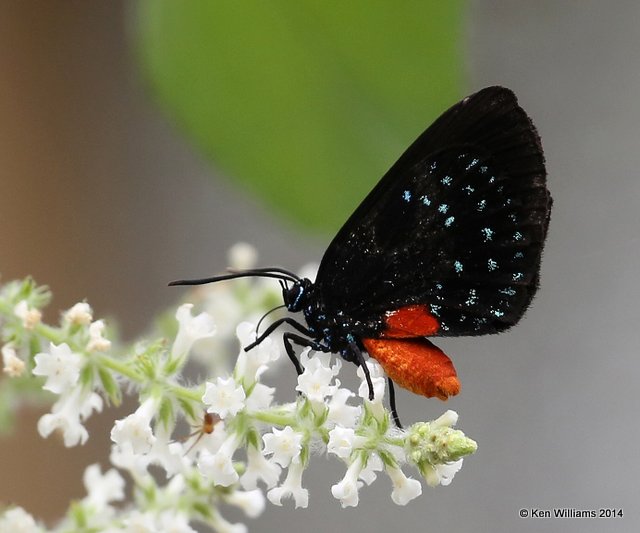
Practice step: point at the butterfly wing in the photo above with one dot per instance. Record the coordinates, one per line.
(457, 224)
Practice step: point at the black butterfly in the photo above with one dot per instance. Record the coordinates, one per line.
(448, 243)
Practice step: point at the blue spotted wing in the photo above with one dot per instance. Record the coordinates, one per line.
(457, 224)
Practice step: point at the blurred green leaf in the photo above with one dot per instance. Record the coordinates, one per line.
(307, 102)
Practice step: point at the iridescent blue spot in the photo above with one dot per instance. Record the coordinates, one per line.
(497, 313)
(444, 327)
(473, 298)
(469, 189)
(492, 265)
(508, 292)
(463, 318)
(518, 276)
(425, 200)
(457, 266)
(350, 338)
(483, 169)
(443, 208)
(435, 309)
(481, 205)
(513, 217)
(299, 295)
(518, 255)
(433, 165)
(517, 236)
(488, 234)
(492, 179)
(406, 196)
(446, 180)
(449, 221)
(439, 286)
(472, 164)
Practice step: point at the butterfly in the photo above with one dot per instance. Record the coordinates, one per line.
(448, 243)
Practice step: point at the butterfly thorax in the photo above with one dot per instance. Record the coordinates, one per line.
(334, 329)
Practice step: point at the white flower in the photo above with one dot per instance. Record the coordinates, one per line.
(242, 256)
(341, 441)
(259, 468)
(135, 431)
(252, 364)
(102, 488)
(67, 413)
(97, 343)
(252, 502)
(404, 489)
(224, 397)
(80, 314)
(214, 440)
(260, 398)
(374, 464)
(175, 488)
(292, 487)
(447, 419)
(320, 360)
(13, 365)
(341, 413)
(17, 520)
(315, 381)
(442, 474)
(170, 455)
(347, 489)
(60, 366)
(124, 458)
(219, 466)
(139, 522)
(377, 379)
(191, 329)
(284, 444)
(30, 316)
(174, 522)
(227, 311)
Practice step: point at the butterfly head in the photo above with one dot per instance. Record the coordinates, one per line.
(296, 296)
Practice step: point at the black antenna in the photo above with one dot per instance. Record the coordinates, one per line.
(277, 273)
(265, 316)
(288, 273)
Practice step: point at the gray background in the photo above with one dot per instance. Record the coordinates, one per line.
(101, 198)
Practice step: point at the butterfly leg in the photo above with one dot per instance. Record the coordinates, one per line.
(288, 346)
(392, 403)
(289, 338)
(272, 328)
(358, 359)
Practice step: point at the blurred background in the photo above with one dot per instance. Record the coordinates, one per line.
(139, 140)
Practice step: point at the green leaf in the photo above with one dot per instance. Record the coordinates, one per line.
(308, 103)
(110, 386)
(188, 409)
(166, 414)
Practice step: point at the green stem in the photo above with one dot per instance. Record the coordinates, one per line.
(273, 418)
(50, 333)
(120, 367)
(395, 442)
(192, 395)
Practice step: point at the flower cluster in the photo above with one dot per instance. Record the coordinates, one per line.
(246, 449)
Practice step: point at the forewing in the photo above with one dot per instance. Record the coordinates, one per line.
(458, 224)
